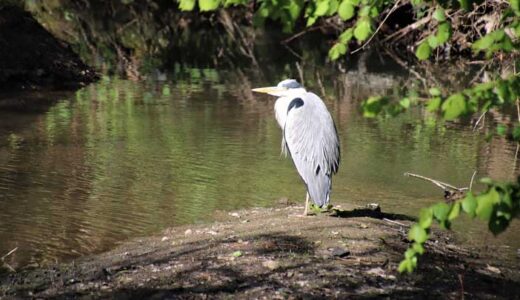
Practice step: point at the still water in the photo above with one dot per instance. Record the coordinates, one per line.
(120, 159)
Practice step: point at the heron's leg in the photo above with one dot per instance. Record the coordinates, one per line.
(306, 211)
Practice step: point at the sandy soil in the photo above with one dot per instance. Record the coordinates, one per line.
(269, 253)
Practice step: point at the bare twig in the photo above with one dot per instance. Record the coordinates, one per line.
(378, 28)
(300, 73)
(322, 88)
(9, 253)
(443, 185)
(297, 35)
(478, 120)
(516, 157)
(461, 281)
(395, 222)
(405, 66)
(518, 108)
(408, 28)
(293, 52)
(3, 258)
(479, 73)
(9, 267)
(472, 178)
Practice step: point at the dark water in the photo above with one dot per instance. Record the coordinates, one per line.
(120, 159)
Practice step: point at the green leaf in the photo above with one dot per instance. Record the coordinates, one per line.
(346, 36)
(440, 211)
(515, 6)
(501, 129)
(425, 218)
(433, 42)
(483, 43)
(373, 106)
(322, 7)
(374, 11)
(237, 254)
(516, 133)
(333, 7)
(354, 2)
(186, 5)
(469, 204)
(418, 234)
(434, 91)
(405, 102)
(346, 10)
(439, 14)
(207, 5)
(337, 51)
(405, 266)
(418, 248)
(454, 211)
(485, 203)
(364, 11)
(487, 180)
(433, 104)
(443, 33)
(465, 4)
(423, 51)
(454, 106)
(363, 29)
(311, 20)
(409, 253)
(294, 8)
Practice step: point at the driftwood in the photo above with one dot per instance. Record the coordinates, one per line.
(451, 192)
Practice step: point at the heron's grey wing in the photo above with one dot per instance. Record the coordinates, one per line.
(312, 140)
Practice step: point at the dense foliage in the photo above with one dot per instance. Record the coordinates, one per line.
(481, 26)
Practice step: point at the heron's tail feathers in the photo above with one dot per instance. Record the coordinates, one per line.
(319, 189)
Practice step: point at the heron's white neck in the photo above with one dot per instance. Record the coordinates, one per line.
(282, 104)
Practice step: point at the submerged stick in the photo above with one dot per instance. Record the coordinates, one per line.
(9, 253)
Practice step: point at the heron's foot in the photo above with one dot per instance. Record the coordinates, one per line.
(327, 208)
(315, 210)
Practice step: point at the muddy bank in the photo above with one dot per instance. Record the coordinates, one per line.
(31, 58)
(270, 253)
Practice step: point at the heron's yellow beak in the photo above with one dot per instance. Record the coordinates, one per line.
(271, 90)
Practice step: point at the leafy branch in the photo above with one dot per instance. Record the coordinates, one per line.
(497, 94)
(498, 205)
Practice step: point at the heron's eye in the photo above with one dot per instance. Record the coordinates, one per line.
(295, 103)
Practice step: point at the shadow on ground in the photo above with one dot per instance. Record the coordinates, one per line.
(268, 254)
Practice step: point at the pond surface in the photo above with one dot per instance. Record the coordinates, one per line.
(120, 159)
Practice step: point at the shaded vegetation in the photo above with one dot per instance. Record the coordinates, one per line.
(31, 57)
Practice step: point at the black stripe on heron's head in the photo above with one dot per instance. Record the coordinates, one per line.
(295, 103)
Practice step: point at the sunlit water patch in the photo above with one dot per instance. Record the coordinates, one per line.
(120, 159)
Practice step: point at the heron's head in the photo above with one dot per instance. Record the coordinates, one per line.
(283, 88)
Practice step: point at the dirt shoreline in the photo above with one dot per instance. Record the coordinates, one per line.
(271, 253)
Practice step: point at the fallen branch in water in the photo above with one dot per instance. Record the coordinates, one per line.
(9, 253)
(451, 193)
(6, 264)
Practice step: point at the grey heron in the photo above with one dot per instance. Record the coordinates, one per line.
(309, 135)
